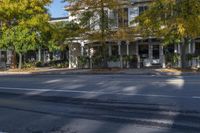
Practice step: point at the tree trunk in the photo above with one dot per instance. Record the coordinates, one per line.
(14, 60)
(183, 53)
(20, 61)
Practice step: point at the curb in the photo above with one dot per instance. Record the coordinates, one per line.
(99, 73)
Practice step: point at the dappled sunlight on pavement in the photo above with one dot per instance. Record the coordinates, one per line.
(110, 103)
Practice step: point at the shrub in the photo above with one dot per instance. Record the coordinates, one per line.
(114, 58)
(83, 60)
(38, 64)
(97, 59)
(130, 58)
(172, 58)
(57, 64)
(193, 56)
(29, 65)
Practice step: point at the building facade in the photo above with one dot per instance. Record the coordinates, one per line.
(149, 52)
(135, 52)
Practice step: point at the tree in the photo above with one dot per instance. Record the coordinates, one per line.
(95, 20)
(176, 21)
(19, 38)
(23, 21)
(63, 32)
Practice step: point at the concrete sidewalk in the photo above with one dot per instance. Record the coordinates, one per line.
(41, 71)
(66, 71)
(163, 72)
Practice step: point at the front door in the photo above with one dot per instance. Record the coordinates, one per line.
(143, 51)
(144, 54)
(156, 52)
(156, 55)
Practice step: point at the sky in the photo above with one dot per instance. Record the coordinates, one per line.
(57, 9)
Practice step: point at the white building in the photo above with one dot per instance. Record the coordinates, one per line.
(150, 52)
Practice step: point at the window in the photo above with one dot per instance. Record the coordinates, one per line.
(197, 49)
(123, 17)
(142, 9)
(113, 18)
(126, 17)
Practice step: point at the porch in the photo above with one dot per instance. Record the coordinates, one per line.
(121, 54)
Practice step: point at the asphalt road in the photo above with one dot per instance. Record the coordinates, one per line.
(99, 104)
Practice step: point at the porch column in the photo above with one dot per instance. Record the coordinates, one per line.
(119, 52)
(189, 47)
(39, 54)
(162, 56)
(127, 52)
(193, 47)
(137, 54)
(91, 52)
(110, 50)
(189, 52)
(179, 48)
(82, 48)
(127, 48)
(193, 52)
(70, 57)
(44, 56)
(9, 57)
(119, 47)
(179, 51)
(150, 53)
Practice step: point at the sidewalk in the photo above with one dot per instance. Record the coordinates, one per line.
(153, 72)
(66, 71)
(46, 70)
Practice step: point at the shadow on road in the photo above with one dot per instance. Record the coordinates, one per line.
(153, 101)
